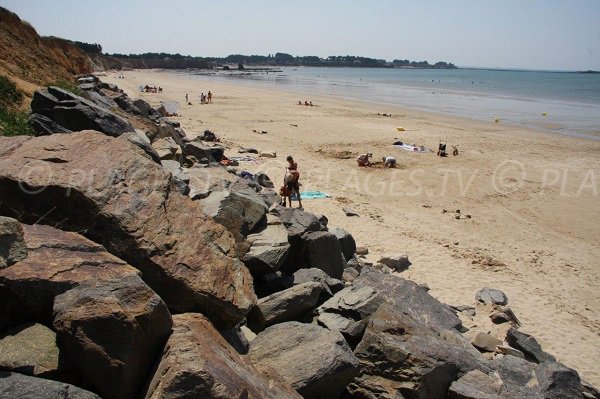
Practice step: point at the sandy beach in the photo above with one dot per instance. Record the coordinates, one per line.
(528, 201)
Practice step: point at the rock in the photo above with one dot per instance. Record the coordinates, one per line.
(181, 179)
(198, 149)
(140, 140)
(129, 204)
(318, 249)
(395, 262)
(237, 339)
(57, 261)
(76, 113)
(410, 298)
(486, 342)
(12, 243)
(271, 283)
(332, 285)
(144, 107)
(267, 154)
(296, 221)
(268, 248)
(362, 250)
(474, 385)
(313, 360)
(491, 296)
(166, 148)
(204, 181)
(263, 180)
(87, 86)
(14, 385)
(349, 212)
(504, 314)
(198, 363)
(349, 275)
(290, 304)
(100, 99)
(42, 125)
(507, 350)
(410, 356)
(557, 381)
(346, 241)
(30, 349)
(353, 303)
(270, 197)
(112, 330)
(528, 345)
(240, 209)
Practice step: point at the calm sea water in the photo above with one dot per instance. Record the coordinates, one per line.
(571, 101)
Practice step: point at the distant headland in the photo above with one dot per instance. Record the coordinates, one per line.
(178, 61)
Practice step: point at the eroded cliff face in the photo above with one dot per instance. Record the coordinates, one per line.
(31, 60)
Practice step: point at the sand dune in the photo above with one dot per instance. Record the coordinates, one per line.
(533, 198)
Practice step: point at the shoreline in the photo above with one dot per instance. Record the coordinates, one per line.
(535, 235)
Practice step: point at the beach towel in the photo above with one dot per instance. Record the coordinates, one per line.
(412, 148)
(308, 195)
(243, 159)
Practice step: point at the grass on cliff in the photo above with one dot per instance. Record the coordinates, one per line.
(67, 85)
(13, 122)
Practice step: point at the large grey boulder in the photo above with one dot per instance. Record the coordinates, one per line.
(347, 243)
(30, 349)
(290, 304)
(198, 149)
(557, 381)
(42, 125)
(112, 330)
(316, 249)
(407, 354)
(205, 181)
(475, 385)
(12, 243)
(528, 345)
(315, 361)
(100, 99)
(76, 113)
(332, 285)
(240, 209)
(409, 298)
(198, 363)
(491, 296)
(125, 201)
(297, 222)
(14, 385)
(269, 248)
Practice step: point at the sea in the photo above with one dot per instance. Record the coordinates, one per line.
(560, 102)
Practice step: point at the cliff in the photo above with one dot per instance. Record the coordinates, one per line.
(31, 60)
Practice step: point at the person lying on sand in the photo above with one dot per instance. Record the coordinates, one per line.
(389, 162)
(363, 160)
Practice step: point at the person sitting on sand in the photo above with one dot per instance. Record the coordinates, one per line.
(389, 162)
(363, 160)
(306, 102)
(299, 102)
(209, 96)
(292, 184)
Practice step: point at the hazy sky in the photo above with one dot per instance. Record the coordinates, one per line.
(535, 34)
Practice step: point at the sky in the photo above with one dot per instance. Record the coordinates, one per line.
(530, 34)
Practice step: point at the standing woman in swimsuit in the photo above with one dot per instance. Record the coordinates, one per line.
(293, 184)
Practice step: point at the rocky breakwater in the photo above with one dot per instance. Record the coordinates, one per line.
(134, 264)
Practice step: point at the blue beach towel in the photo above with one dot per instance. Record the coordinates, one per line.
(308, 195)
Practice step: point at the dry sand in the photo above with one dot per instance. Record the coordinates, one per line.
(534, 230)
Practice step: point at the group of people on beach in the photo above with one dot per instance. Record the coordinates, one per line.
(152, 89)
(364, 160)
(307, 103)
(204, 98)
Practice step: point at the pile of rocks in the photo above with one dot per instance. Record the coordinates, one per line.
(138, 266)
